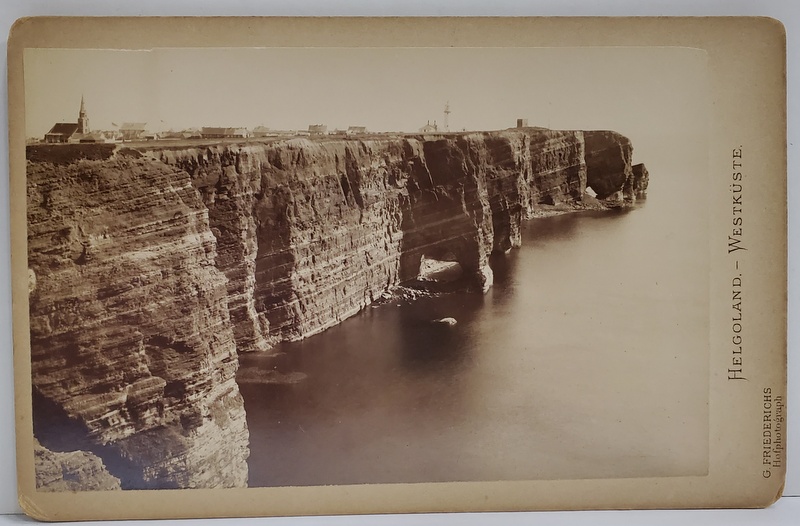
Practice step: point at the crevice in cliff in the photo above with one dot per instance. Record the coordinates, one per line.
(275, 262)
(229, 193)
(170, 361)
(353, 177)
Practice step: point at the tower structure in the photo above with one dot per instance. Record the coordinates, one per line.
(83, 119)
(447, 116)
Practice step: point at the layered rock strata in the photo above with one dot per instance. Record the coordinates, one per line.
(310, 232)
(132, 349)
(150, 269)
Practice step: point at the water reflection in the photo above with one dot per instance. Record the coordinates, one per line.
(570, 367)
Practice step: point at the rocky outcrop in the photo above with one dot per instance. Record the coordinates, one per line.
(609, 170)
(131, 344)
(72, 471)
(640, 181)
(149, 269)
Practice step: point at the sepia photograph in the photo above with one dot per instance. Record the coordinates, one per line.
(261, 267)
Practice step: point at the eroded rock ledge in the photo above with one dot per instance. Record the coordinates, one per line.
(150, 268)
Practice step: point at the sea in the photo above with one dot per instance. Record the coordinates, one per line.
(588, 358)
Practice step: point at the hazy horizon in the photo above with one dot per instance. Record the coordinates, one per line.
(643, 93)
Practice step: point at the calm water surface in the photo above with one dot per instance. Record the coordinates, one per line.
(586, 359)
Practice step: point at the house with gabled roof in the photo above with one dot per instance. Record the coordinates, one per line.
(429, 128)
(62, 132)
(316, 130)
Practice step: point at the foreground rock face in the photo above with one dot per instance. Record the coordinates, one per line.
(131, 343)
(73, 471)
(150, 269)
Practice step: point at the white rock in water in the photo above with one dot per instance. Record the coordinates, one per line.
(446, 321)
(486, 277)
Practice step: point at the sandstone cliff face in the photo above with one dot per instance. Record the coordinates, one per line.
(150, 269)
(310, 232)
(130, 334)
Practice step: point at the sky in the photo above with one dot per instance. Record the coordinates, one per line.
(640, 92)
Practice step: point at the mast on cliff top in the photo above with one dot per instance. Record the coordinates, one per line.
(447, 116)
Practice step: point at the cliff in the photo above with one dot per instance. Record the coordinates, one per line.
(132, 350)
(310, 232)
(151, 268)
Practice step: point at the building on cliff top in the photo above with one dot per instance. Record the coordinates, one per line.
(429, 128)
(522, 123)
(315, 130)
(209, 132)
(188, 133)
(356, 130)
(62, 132)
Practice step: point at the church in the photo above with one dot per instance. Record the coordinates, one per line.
(70, 131)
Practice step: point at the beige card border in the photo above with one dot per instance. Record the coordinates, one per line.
(747, 68)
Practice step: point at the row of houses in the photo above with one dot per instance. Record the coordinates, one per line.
(65, 132)
(75, 132)
(79, 132)
(316, 130)
(211, 132)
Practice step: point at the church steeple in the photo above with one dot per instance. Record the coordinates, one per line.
(83, 119)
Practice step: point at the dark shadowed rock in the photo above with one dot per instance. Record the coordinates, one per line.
(641, 178)
(608, 165)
